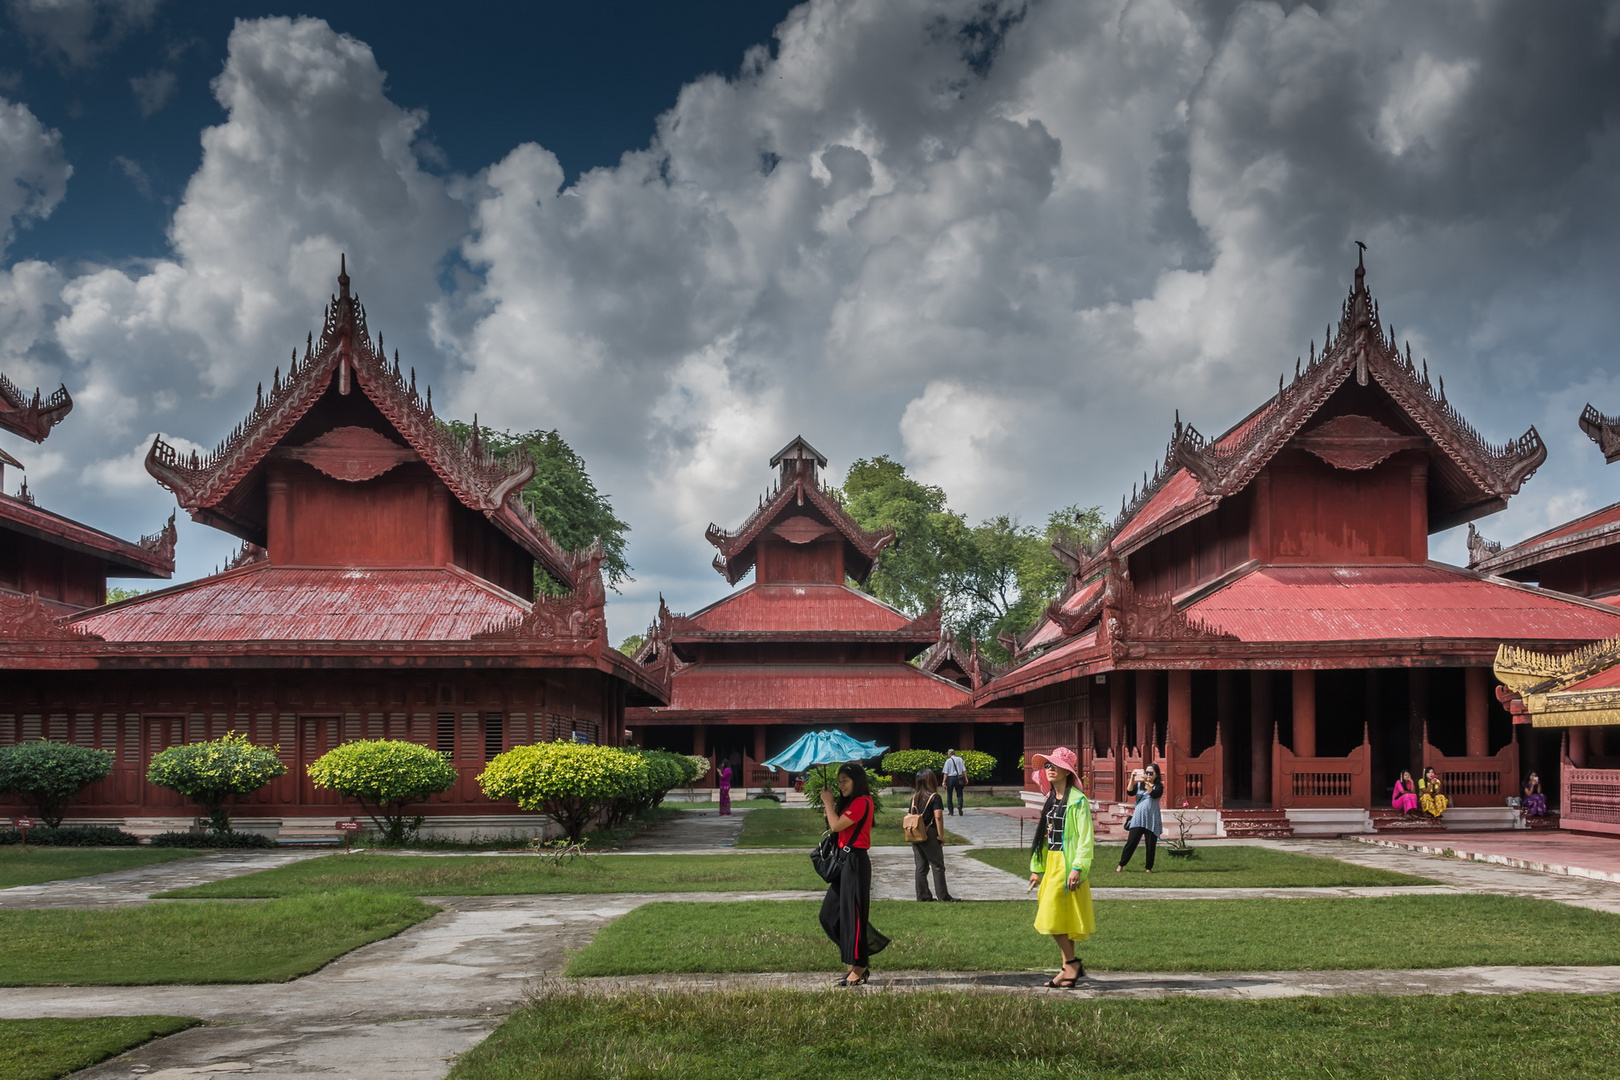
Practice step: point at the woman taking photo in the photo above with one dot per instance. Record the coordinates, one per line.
(1060, 861)
(1146, 821)
(844, 910)
(929, 853)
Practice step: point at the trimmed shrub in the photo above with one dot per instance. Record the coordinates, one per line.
(827, 776)
(73, 836)
(700, 767)
(384, 776)
(906, 764)
(211, 840)
(49, 774)
(212, 774)
(570, 783)
(979, 764)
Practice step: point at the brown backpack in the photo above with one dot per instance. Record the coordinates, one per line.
(914, 824)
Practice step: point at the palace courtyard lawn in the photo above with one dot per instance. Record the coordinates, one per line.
(196, 943)
(37, 864)
(519, 875)
(918, 1036)
(802, 827)
(47, 1049)
(1393, 932)
(1216, 866)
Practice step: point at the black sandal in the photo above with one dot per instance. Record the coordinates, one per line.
(1069, 983)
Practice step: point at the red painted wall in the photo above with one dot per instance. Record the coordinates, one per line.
(29, 565)
(821, 560)
(1320, 514)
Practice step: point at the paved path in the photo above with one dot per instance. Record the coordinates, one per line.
(1571, 854)
(694, 831)
(406, 1006)
(136, 886)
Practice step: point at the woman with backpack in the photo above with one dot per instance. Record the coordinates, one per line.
(1060, 861)
(845, 910)
(925, 828)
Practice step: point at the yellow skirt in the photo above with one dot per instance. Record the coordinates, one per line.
(1433, 805)
(1059, 911)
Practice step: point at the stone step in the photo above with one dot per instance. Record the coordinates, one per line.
(1269, 824)
(1395, 821)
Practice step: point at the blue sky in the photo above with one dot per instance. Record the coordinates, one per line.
(1003, 241)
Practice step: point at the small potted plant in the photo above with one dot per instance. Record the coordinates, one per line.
(1180, 847)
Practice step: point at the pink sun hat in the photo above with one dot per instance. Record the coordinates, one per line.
(1063, 758)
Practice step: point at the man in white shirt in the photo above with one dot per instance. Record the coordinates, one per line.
(955, 777)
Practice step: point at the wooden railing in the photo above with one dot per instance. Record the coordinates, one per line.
(1321, 781)
(1195, 781)
(1475, 781)
(1102, 771)
(1590, 799)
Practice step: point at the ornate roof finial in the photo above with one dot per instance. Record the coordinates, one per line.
(343, 276)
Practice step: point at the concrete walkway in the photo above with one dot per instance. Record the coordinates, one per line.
(406, 1006)
(1570, 854)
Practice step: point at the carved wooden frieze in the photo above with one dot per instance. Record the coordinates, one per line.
(350, 453)
(801, 529)
(1355, 442)
(26, 618)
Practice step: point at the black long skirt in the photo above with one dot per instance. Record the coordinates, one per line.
(845, 912)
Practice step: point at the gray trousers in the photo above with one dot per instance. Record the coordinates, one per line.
(930, 855)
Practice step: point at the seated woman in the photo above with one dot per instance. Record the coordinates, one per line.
(1404, 797)
(1431, 793)
(1535, 800)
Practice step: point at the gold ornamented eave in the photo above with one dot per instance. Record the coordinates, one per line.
(1534, 674)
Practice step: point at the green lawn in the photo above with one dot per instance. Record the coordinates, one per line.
(800, 827)
(671, 1036)
(19, 867)
(47, 1049)
(1214, 867)
(426, 875)
(195, 943)
(1132, 935)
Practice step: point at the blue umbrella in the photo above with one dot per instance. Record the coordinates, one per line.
(823, 748)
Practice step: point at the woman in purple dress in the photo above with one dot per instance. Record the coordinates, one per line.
(725, 789)
(1535, 800)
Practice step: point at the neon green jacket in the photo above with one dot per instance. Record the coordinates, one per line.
(1079, 844)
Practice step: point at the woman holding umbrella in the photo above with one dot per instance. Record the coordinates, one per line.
(1060, 861)
(845, 909)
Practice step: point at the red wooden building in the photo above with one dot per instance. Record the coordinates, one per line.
(385, 588)
(52, 563)
(799, 648)
(1264, 618)
(1570, 700)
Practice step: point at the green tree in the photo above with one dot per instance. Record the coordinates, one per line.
(563, 498)
(212, 774)
(630, 645)
(994, 577)
(384, 776)
(49, 774)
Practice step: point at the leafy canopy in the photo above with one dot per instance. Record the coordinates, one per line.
(564, 499)
(212, 773)
(384, 776)
(990, 578)
(49, 774)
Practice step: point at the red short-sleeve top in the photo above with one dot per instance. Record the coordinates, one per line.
(861, 831)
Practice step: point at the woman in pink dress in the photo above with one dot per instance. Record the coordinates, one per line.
(1404, 798)
(725, 789)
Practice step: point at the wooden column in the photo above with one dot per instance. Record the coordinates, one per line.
(1260, 517)
(441, 539)
(1419, 510)
(902, 736)
(1117, 707)
(759, 743)
(964, 736)
(1226, 725)
(1577, 746)
(1476, 705)
(1260, 728)
(1304, 714)
(1179, 705)
(1417, 716)
(1144, 708)
(700, 740)
(278, 524)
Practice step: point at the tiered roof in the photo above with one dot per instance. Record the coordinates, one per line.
(961, 662)
(798, 483)
(215, 488)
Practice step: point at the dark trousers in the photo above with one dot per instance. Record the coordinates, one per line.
(953, 789)
(845, 912)
(930, 855)
(1130, 845)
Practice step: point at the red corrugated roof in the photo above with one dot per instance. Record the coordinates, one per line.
(1608, 515)
(125, 559)
(1049, 631)
(1603, 680)
(269, 603)
(847, 687)
(795, 608)
(1364, 603)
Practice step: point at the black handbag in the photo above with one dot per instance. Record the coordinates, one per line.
(828, 858)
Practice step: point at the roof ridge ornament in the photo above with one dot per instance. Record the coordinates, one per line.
(32, 416)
